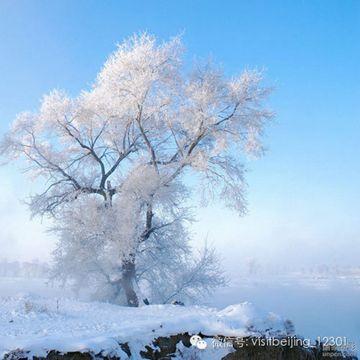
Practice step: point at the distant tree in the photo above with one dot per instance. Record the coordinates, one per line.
(253, 266)
(115, 160)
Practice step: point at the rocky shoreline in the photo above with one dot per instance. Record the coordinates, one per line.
(179, 347)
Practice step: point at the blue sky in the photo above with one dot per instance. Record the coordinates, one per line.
(304, 195)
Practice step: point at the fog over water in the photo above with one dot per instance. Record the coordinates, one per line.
(277, 233)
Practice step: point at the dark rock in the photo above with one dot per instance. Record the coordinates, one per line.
(176, 302)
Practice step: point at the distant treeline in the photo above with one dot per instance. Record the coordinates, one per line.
(254, 267)
(28, 269)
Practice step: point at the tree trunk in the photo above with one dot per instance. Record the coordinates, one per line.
(128, 278)
(128, 266)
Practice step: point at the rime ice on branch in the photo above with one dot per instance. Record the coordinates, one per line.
(113, 162)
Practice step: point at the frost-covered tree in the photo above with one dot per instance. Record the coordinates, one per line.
(115, 162)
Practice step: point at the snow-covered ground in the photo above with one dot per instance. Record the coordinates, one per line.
(37, 317)
(38, 323)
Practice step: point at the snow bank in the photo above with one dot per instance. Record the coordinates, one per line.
(37, 324)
